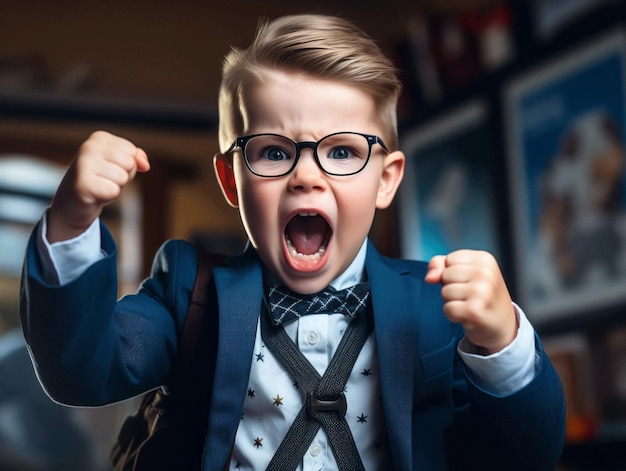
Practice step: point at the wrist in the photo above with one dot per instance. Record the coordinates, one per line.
(60, 227)
(496, 338)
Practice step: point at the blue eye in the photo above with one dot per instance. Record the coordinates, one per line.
(341, 153)
(274, 154)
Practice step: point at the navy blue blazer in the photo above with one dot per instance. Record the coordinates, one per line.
(90, 349)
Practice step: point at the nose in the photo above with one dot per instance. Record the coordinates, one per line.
(307, 175)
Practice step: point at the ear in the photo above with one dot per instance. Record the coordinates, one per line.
(393, 171)
(223, 165)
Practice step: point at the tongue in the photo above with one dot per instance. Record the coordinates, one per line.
(307, 233)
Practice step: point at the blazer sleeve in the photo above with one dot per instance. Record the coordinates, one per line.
(521, 431)
(91, 349)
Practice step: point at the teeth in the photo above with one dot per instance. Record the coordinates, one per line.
(315, 256)
(305, 214)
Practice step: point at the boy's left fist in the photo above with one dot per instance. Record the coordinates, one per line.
(475, 295)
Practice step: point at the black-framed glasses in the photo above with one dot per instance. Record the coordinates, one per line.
(339, 154)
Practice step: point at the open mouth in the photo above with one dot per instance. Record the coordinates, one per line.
(307, 235)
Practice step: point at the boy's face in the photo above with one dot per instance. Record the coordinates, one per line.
(308, 226)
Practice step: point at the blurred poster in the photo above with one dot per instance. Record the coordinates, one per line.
(551, 16)
(567, 170)
(447, 195)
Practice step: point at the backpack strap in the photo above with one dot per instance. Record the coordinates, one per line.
(191, 382)
(199, 321)
(194, 364)
(169, 428)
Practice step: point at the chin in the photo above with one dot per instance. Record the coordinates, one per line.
(306, 283)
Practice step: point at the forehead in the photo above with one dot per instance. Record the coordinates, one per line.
(300, 106)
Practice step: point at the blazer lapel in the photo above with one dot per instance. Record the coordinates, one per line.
(396, 331)
(240, 292)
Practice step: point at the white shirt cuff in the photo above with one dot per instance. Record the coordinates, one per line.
(508, 370)
(62, 262)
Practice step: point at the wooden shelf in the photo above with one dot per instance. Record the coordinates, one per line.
(151, 113)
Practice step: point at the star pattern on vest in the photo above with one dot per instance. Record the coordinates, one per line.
(362, 418)
(257, 442)
(251, 393)
(278, 401)
(366, 372)
(259, 356)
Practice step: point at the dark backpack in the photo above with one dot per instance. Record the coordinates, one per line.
(167, 431)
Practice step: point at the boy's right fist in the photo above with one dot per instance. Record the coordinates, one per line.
(103, 166)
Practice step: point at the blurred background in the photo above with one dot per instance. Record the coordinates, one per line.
(512, 119)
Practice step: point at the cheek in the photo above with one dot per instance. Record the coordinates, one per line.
(357, 209)
(257, 205)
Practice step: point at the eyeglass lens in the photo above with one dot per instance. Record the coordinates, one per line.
(338, 154)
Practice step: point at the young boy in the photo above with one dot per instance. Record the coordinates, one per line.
(452, 375)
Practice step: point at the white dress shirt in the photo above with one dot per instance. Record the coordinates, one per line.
(272, 400)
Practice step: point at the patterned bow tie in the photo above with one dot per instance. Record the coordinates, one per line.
(285, 305)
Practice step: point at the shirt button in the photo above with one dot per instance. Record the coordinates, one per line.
(313, 337)
(315, 450)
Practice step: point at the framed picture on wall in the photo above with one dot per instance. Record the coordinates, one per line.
(550, 17)
(447, 197)
(566, 127)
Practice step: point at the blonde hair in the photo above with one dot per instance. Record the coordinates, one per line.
(318, 46)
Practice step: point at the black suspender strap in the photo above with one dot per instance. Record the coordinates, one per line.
(325, 401)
